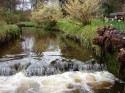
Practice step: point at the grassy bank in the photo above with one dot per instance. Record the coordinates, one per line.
(8, 32)
(86, 34)
(28, 24)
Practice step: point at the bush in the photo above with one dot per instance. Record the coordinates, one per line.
(47, 14)
(24, 15)
(14, 17)
(2, 25)
(81, 10)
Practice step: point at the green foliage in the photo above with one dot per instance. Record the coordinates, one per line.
(11, 19)
(18, 16)
(24, 15)
(14, 17)
(85, 33)
(107, 8)
(5, 28)
(29, 23)
(10, 28)
(47, 14)
(110, 6)
(2, 25)
(112, 63)
(81, 10)
(14, 28)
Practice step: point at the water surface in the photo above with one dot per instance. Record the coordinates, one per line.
(46, 62)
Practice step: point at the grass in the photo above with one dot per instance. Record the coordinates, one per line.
(29, 23)
(112, 63)
(7, 32)
(9, 29)
(85, 33)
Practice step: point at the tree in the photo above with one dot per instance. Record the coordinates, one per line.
(47, 13)
(34, 3)
(82, 10)
(9, 4)
(110, 6)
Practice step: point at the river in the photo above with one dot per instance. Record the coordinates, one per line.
(47, 62)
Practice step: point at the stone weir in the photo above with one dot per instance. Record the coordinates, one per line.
(55, 67)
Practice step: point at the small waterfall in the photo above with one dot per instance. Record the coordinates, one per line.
(6, 71)
(40, 71)
(58, 67)
(10, 68)
(55, 67)
(27, 45)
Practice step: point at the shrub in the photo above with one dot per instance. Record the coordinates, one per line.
(81, 10)
(14, 17)
(24, 15)
(48, 13)
(11, 17)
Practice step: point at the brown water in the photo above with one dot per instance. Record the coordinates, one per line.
(68, 68)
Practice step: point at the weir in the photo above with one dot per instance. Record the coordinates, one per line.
(47, 62)
(55, 67)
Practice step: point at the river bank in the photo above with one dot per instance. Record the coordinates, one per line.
(85, 34)
(8, 32)
(76, 31)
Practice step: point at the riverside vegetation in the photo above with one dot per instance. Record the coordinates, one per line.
(77, 20)
(86, 34)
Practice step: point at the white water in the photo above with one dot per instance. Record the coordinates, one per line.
(68, 82)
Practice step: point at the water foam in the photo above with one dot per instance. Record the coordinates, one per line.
(68, 82)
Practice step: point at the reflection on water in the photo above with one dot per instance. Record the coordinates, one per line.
(50, 61)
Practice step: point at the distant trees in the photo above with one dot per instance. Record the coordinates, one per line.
(34, 3)
(12, 11)
(112, 6)
(9, 4)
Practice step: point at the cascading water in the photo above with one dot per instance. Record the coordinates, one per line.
(44, 62)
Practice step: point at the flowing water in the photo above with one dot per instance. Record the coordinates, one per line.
(46, 62)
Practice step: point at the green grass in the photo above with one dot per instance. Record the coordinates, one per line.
(8, 31)
(29, 23)
(118, 24)
(112, 63)
(85, 33)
